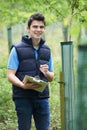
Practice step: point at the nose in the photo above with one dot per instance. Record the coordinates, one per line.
(39, 29)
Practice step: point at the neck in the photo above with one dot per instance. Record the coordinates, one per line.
(35, 42)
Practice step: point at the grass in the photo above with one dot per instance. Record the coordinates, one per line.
(8, 120)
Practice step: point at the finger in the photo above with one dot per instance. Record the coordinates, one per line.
(37, 86)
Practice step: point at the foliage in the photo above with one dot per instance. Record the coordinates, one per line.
(18, 11)
(6, 106)
(14, 11)
(67, 11)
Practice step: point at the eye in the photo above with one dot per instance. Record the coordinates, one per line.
(35, 26)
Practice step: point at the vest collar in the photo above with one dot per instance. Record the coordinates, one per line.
(28, 40)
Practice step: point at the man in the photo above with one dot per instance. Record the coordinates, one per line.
(31, 57)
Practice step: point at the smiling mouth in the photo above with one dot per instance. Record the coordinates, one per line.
(38, 34)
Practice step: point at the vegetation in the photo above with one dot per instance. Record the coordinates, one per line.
(69, 12)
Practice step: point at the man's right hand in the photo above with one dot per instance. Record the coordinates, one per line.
(30, 85)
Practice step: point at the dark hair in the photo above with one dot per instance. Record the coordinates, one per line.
(36, 16)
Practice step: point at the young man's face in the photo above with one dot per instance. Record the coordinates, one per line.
(36, 29)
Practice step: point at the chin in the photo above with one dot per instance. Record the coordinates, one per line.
(38, 37)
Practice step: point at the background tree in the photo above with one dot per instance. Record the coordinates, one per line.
(66, 11)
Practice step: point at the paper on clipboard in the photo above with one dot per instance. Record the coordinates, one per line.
(35, 80)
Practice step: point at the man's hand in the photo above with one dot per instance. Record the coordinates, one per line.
(44, 68)
(30, 85)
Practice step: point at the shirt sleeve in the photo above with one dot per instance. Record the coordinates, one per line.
(13, 61)
(51, 64)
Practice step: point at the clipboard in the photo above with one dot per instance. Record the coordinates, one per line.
(36, 80)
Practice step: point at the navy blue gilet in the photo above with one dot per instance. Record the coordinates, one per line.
(28, 65)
